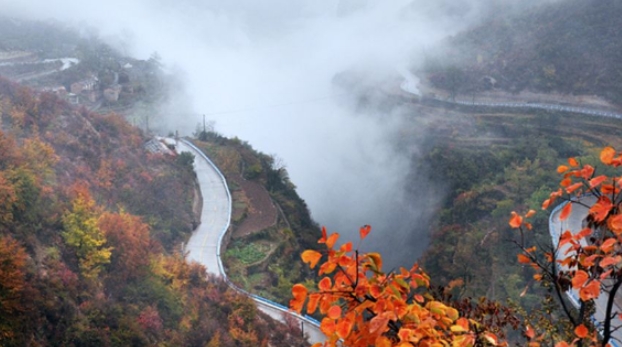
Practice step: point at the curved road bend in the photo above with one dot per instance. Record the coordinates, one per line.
(574, 223)
(203, 244)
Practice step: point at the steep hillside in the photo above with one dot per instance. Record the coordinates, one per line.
(90, 228)
(271, 224)
(570, 46)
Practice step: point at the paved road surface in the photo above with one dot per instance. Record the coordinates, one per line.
(203, 245)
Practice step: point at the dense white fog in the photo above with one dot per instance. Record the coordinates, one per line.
(275, 60)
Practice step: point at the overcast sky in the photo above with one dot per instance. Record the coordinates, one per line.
(254, 55)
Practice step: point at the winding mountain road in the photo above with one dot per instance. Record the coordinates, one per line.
(204, 245)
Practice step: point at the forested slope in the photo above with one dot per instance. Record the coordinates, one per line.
(571, 46)
(90, 228)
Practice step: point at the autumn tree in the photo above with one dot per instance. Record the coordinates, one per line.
(363, 305)
(130, 236)
(12, 283)
(83, 234)
(584, 264)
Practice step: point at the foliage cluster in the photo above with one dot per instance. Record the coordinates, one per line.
(89, 225)
(362, 305)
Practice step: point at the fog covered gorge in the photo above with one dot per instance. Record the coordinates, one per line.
(263, 71)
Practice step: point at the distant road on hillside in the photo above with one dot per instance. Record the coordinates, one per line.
(204, 244)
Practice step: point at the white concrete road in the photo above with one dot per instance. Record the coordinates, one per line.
(203, 246)
(574, 224)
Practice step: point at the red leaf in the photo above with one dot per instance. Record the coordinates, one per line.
(365, 231)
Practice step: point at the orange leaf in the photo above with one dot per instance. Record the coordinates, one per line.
(327, 326)
(491, 338)
(607, 246)
(378, 324)
(601, 209)
(596, 181)
(530, 213)
(299, 292)
(312, 257)
(334, 312)
(587, 172)
(323, 238)
(573, 162)
(383, 341)
(562, 168)
(516, 220)
(565, 182)
(344, 328)
(313, 301)
(330, 242)
(583, 233)
(581, 331)
(579, 279)
(365, 229)
(573, 187)
(546, 204)
(562, 344)
(346, 247)
(566, 210)
(590, 291)
(325, 284)
(523, 259)
(607, 154)
(609, 261)
(615, 224)
(530, 333)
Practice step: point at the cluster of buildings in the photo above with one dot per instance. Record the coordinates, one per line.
(87, 90)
